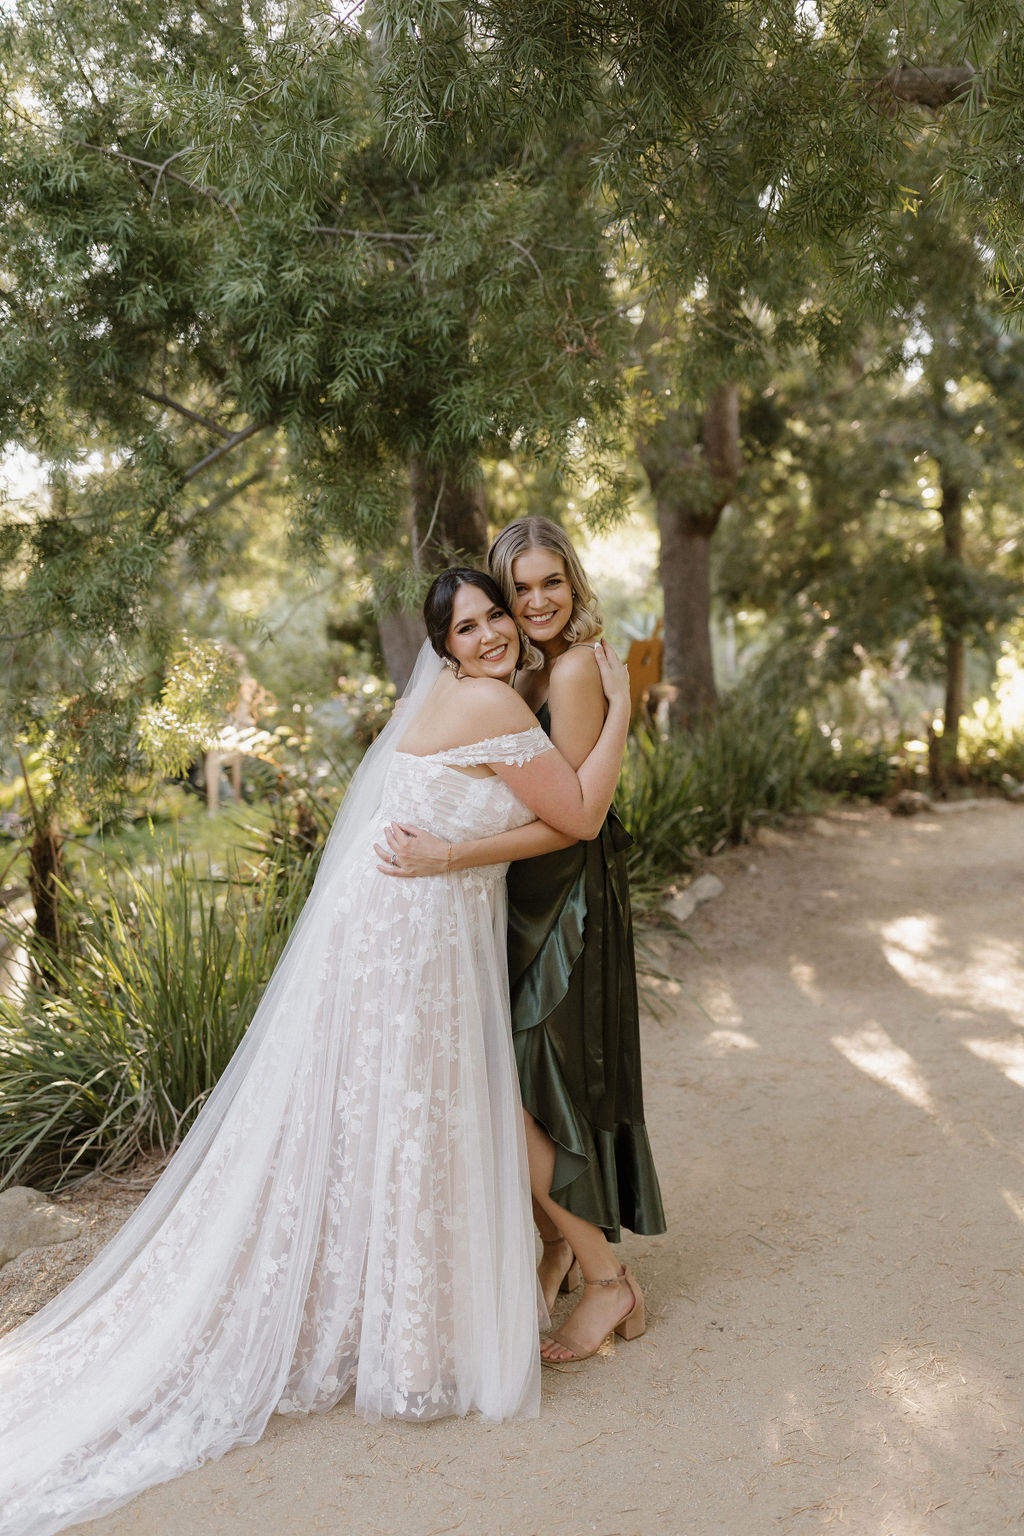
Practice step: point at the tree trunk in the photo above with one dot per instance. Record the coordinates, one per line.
(951, 511)
(401, 635)
(684, 566)
(692, 485)
(45, 872)
(447, 526)
(449, 516)
(930, 85)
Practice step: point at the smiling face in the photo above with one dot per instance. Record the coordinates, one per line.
(482, 637)
(543, 600)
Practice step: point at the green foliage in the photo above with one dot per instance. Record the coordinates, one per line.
(730, 136)
(855, 769)
(198, 685)
(215, 275)
(877, 518)
(144, 1017)
(992, 733)
(693, 792)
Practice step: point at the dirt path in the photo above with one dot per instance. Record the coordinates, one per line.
(837, 1314)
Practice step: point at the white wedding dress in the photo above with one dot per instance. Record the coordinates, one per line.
(351, 1207)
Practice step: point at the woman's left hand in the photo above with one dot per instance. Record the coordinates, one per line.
(410, 851)
(614, 675)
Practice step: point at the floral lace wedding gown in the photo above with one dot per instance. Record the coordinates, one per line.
(351, 1208)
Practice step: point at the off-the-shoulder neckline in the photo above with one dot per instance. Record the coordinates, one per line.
(484, 741)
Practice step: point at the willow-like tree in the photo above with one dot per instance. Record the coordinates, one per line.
(208, 240)
(755, 154)
(215, 270)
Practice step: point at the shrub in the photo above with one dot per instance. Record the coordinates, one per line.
(118, 1054)
(991, 749)
(854, 767)
(690, 792)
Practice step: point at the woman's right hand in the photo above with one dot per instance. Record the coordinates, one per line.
(411, 851)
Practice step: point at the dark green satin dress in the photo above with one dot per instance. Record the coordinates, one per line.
(575, 1026)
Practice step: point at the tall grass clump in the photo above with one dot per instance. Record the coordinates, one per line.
(684, 793)
(116, 1054)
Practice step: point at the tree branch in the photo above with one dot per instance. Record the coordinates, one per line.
(229, 493)
(24, 634)
(183, 410)
(529, 258)
(72, 55)
(364, 234)
(929, 85)
(225, 447)
(417, 550)
(307, 597)
(161, 170)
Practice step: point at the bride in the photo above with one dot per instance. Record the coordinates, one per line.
(351, 1207)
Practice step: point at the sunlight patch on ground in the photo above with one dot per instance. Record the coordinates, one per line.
(872, 1051)
(1015, 1203)
(912, 935)
(989, 977)
(730, 1040)
(805, 979)
(1006, 1054)
(934, 1390)
(719, 1006)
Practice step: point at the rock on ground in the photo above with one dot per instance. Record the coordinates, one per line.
(29, 1220)
(684, 903)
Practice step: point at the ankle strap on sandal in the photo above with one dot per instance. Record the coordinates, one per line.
(615, 1279)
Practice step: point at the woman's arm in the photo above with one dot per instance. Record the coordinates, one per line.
(574, 803)
(576, 704)
(423, 853)
(577, 803)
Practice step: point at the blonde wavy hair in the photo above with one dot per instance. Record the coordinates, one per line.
(585, 622)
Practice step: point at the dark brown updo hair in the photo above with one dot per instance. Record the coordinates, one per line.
(439, 601)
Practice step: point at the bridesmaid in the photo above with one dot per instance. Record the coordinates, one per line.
(571, 968)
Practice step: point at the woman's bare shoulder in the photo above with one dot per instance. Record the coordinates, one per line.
(459, 714)
(492, 707)
(577, 661)
(576, 671)
(576, 701)
(473, 709)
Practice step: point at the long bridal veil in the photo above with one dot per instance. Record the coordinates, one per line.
(178, 1341)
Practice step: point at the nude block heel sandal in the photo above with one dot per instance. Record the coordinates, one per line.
(635, 1321)
(629, 1327)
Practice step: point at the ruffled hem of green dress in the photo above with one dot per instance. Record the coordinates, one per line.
(576, 1031)
(603, 1176)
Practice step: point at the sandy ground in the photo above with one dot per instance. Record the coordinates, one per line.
(836, 1335)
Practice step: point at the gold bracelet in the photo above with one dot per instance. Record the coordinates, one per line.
(448, 862)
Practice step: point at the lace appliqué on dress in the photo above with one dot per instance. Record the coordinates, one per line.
(517, 747)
